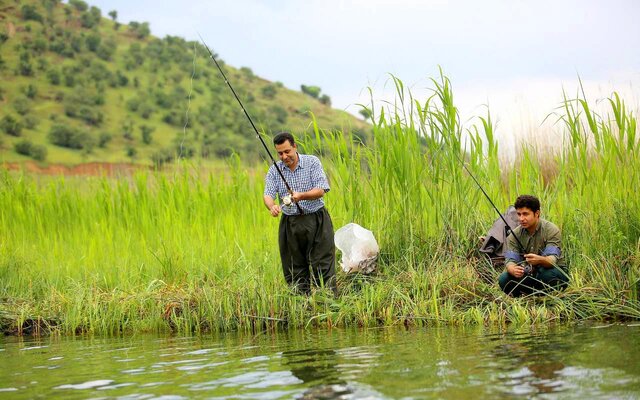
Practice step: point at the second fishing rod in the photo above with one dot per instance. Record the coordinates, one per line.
(289, 199)
(527, 267)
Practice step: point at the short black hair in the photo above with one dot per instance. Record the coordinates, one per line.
(528, 201)
(283, 137)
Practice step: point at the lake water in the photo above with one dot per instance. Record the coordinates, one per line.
(564, 362)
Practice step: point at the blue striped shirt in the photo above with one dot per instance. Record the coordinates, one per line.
(308, 175)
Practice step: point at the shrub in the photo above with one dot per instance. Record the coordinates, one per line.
(30, 91)
(103, 139)
(163, 99)
(269, 91)
(31, 122)
(146, 110)
(11, 126)
(127, 129)
(279, 114)
(141, 30)
(69, 75)
(22, 105)
(39, 45)
(313, 91)
(326, 100)
(39, 152)
(30, 13)
(59, 46)
(93, 42)
(184, 147)
(43, 64)
(70, 137)
(131, 152)
(24, 65)
(122, 79)
(25, 147)
(174, 118)
(247, 73)
(133, 104)
(81, 104)
(106, 49)
(79, 5)
(53, 75)
(161, 157)
(147, 133)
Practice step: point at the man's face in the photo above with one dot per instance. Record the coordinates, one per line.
(528, 218)
(287, 153)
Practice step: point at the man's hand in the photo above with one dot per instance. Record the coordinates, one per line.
(297, 196)
(516, 270)
(535, 259)
(274, 210)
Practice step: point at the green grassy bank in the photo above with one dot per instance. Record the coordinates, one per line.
(191, 252)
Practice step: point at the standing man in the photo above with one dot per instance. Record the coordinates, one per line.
(306, 240)
(539, 265)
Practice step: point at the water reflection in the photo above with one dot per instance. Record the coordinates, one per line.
(313, 365)
(534, 362)
(319, 368)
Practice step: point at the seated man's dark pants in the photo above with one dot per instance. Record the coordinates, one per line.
(541, 280)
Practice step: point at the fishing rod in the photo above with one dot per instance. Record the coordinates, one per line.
(490, 201)
(288, 199)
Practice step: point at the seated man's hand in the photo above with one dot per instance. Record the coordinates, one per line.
(534, 259)
(515, 270)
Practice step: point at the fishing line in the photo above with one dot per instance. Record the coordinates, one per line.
(186, 113)
(455, 153)
(253, 125)
(488, 198)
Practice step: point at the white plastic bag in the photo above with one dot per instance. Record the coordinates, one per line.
(359, 248)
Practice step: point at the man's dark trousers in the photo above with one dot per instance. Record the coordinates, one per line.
(307, 240)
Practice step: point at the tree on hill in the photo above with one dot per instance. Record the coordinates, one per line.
(30, 13)
(141, 30)
(313, 91)
(10, 125)
(326, 100)
(79, 5)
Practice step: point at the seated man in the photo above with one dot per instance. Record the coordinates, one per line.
(533, 258)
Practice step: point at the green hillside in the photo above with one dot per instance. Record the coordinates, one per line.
(78, 86)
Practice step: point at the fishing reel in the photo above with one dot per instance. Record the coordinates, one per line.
(287, 200)
(528, 268)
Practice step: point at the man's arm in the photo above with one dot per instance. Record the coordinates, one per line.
(270, 192)
(312, 194)
(550, 253)
(271, 205)
(513, 257)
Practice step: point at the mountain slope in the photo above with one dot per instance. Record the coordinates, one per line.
(79, 87)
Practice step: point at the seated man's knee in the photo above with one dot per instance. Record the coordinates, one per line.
(555, 278)
(503, 279)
